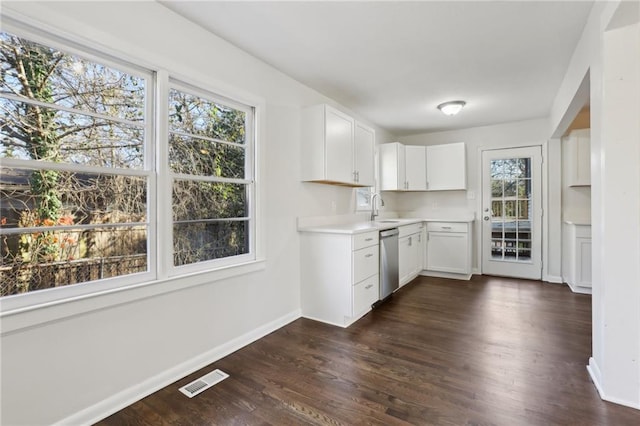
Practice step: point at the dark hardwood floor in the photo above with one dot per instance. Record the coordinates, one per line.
(491, 351)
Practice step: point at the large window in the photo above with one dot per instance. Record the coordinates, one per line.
(78, 172)
(210, 160)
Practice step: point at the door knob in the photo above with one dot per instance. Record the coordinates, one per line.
(486, 218)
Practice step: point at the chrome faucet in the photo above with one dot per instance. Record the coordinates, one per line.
(373, 205)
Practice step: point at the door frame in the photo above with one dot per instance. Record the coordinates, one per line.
(551, 217)
(531, 266)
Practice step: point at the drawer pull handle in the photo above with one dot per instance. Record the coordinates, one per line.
(446, 227)
(368, 239)
(369, 255)
(368, 287)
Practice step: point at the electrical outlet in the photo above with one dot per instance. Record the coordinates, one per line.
(334, 208)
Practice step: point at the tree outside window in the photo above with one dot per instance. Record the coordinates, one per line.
(211, 178)
(76, 175)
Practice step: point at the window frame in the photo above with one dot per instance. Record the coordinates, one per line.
(249, 180)
(159, 278)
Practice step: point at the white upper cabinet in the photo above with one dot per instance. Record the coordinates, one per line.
(391, 166)
(579, 161)
(419, 168)
(338, 141)
(402, 168)
(415, 168)
(446, 167)
(364, 143)
(336, 149)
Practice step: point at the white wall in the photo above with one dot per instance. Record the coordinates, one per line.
(443, 203)
(609, 53)
(102, 353)
(620, 174)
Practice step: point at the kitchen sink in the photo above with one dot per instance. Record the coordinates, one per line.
(388, 221)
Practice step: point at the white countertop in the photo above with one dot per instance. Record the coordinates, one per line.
(378, 225)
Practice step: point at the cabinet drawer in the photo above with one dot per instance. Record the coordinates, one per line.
(409, 229)
(447, 226)
(365, 263)
(365, 240)
(365, 294)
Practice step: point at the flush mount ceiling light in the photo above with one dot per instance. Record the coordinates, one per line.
(452, 107)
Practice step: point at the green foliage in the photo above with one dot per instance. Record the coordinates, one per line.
(33, 66)
(44, 183)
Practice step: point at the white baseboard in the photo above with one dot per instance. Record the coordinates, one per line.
(578, 289)
(596, 378)
(594, 372)
(624, 402)
(464, 277)
(325, 321)
(552, 279)
(113, 404)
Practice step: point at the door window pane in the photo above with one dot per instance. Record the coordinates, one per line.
(511, 209)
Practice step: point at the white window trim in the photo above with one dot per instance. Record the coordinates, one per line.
(30, 309)
(250, 169)
(367, 205)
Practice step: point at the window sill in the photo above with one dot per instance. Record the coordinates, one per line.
(31, 316)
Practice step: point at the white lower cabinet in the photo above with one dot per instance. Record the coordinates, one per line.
(410, 252)
(448, 250)
(576, 257)
(365, 294)
(339, 276)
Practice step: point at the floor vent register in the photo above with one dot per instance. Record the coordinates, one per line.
(203, 383)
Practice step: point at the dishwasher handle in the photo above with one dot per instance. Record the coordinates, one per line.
(389, 233)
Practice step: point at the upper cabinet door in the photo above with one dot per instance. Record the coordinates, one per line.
(446, 167)
(339, 130)
(392, 173)
(415, 168)
(364, 143)
(335, 149)
(579, 157)
(419, 168)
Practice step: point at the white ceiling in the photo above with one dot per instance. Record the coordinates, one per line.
(393, 62)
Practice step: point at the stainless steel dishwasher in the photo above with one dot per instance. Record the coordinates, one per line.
(389, 274)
